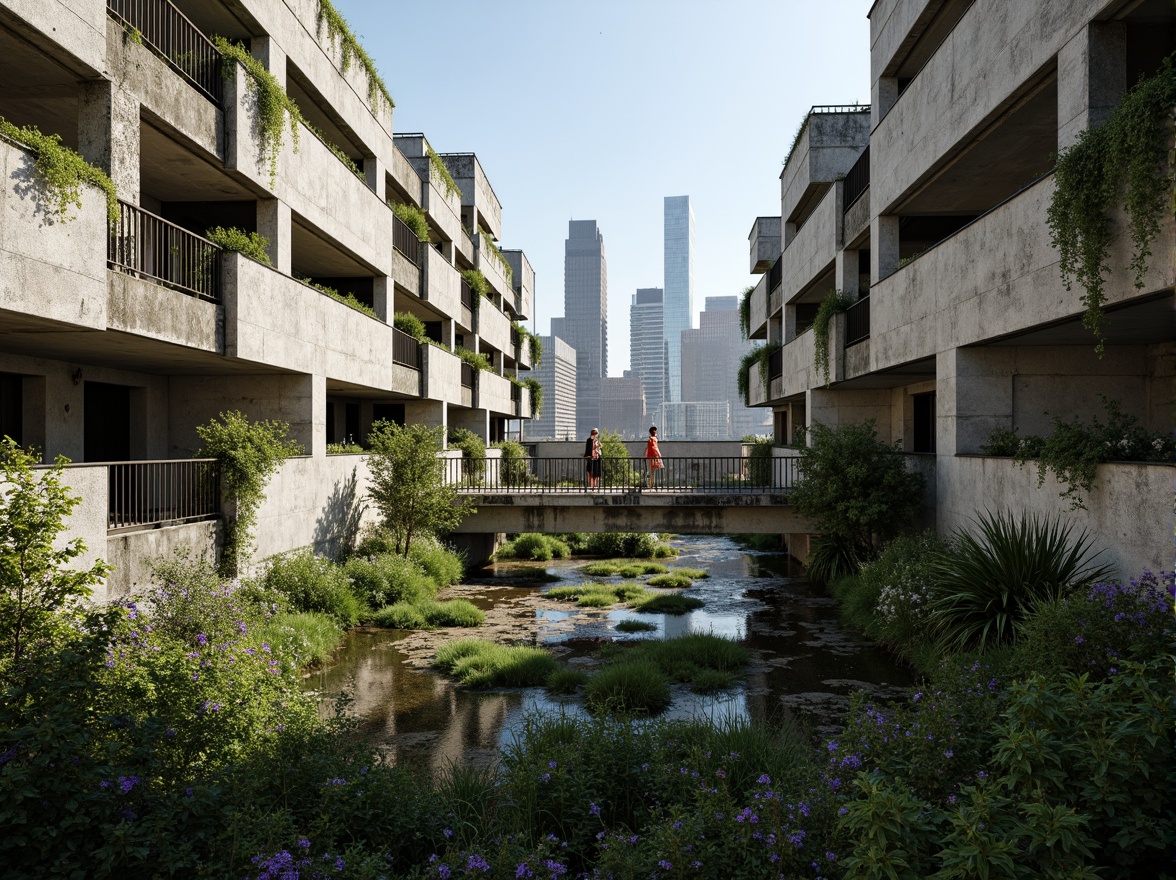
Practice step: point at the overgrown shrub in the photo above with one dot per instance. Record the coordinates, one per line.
(513, 463)
(386, 580)
(535, 546)
(312, 583)
(406, 322)
(62, 170)
(414, 218)
(307, 637)
(632, 545)
(473, 452)
(441, 563)
(248, 244)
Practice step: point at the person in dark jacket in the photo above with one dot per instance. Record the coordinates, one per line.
(592, 456)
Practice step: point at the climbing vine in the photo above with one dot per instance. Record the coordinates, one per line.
(248, 244)
(487, 241)
(1124, 158)
(745, 312)
(348, 299)
(414, 218)
(62, 170)
(478, 283)
(834, 302)
(339, 32)
(758, 355)
(536, 396)
(273, 104)
(442, 172)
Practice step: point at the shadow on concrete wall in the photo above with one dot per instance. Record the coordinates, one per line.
(336, 528)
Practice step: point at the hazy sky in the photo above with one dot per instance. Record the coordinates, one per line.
(597, 109)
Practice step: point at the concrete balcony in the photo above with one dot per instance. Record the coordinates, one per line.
(833, 138)
(494, 329)
(995, 277)
(406, 177)
(76, 27)
(812, 250)
(489, 266)
(51, 273)
(272, 319)
(442, 284)
(407, 274)
(522, 277)
(144, 308)
(759, 310)
(442, 371)
(494, 394)
(765, 243)
(476, 191)
(798, 368)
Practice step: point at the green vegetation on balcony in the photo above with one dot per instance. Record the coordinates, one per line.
(758, 355)
(248, 244)
(442, 172)
(338, 31)
(414, 218)
(834, 303)
(487, 241)
(62, 170)
(347, 299)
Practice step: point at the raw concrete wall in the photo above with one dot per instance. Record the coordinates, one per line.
(442, 283)
(811, 251)
(494, 327)
(145, 309)
(72, 30)
(196, 400)
(442, 375)
(134, 553)
(1130, 509)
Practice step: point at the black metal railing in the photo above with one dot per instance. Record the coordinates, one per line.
(857, 180)
(857, 321)
(406, 241)
(775, 364)
(170, 35)
(775, 275)
(716, 475)
(149, 493)
(467, 376)
(148, 246)
(406, 351)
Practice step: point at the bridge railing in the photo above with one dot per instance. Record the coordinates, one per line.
(717, 474)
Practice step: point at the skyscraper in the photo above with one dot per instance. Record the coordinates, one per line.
(679, 285)
(647, 347)
(557, 374)
(584, 325)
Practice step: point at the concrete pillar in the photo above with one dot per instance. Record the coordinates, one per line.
(883, 246)
(269, 53)
(845, 268)
(1092, 78)
(318, 416)
(108, 134)
(383, 298)
(433, 413)
(448, 332)
(274, 223)
(776, 327)
(476, 420)
(883, 95)
(375, 175)
(973, 396)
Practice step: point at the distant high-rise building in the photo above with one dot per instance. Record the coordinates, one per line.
(557, 374)
(679, 286)
(710, 361)
(584, 325)
(697, 420)
(622, 406)
(647, 347)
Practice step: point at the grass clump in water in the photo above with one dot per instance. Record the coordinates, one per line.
(673, 603)
(635, 626)
(481, 664)
(600, 595)
(566, 681)
(694, 573)
(626, 568)
(628, 687)
(534, 545)
(674, 580)
(428, 614)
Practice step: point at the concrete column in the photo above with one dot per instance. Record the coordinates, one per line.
(274, 223)
(383, 298)
(448, 332)
(845, 268)
(375, 175)
(883, 95)
(776, 328)
(269, 53)
(432, 413)
(1092, 78)
(883, 246)
(973, 396)
(476, 420)
(318, 416)
(108, 134)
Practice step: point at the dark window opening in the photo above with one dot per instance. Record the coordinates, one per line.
(351, 422)
(107, 422)
(332, 434)
(924, 419)
(388, 412)
(12, 407)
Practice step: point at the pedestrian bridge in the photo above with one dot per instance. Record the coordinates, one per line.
(689, 495)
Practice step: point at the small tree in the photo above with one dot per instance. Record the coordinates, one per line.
(855, 488)
(617, 470)
(408, 483)
(38, 591)
(248, 453)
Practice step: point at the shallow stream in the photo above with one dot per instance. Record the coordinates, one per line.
(805, 664)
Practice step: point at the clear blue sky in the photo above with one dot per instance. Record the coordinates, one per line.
(597, 109)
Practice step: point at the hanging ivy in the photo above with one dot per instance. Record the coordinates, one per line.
(477, 282)
(758, 355)
(487, 241)
(745, 312)
(442, 172)
(834, 302)
(536, 396)
(1123, 159)
(536, 346)
(476, 359)
(339, 32)
(62, 171)
(414, 218)
(273, 104)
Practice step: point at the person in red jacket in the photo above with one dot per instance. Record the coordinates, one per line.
(653, 459)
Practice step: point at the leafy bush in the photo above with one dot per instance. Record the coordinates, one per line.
(1096, 631)
(444, 565)
(989, 583)
(313, 584)
(759, 465)
(630, 687)
(414, 218)
(616, 468)
(536, 546)
(375, 541)
(635, 545)
(513, 463)
(406, 322)
(479, 663)
(247, 244)
(386, 580)
(473, 452)
(855, 488)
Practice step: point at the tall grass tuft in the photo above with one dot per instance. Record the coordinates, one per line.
(307, 637)
(536, 546)
(635, 626)
(993, 579)
(674, 603)
(628, 687)
(479, 663)
(674, 580)
(566, 681)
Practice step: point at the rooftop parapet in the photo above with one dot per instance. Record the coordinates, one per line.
(765, 243)
(829, 141)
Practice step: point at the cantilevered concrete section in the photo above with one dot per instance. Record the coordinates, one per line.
(927, 209)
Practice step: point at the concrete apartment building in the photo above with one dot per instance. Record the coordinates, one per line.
(647, 347)
(929, 208)
(584, 325)
(557, 375)
(118, 340)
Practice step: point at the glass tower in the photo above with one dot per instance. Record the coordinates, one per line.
(679, 286)
(647, 347)
(584, 325)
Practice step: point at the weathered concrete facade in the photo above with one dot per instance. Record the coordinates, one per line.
(117, 341)
(928, 209)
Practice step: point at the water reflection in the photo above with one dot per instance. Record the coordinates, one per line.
(805, 665)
